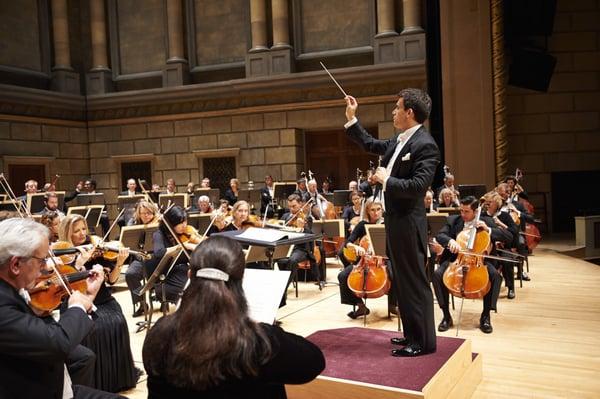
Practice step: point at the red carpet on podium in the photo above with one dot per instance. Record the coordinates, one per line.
(363, 355)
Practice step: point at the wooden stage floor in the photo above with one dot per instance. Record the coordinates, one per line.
(545, 344)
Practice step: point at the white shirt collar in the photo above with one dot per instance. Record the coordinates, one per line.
(407, 134)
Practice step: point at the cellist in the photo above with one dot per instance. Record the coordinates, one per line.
(374, 215)
(447, 238)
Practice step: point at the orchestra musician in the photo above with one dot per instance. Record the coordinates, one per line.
(319, 203)
(52, 220)
(162, 238)
(446, 237)
(493, 206)
(131, 188)
(353, 185)
(297, 218)
(109, 339)
(448, 184)
(373, 215)
(352, 213)
(203, 205)
(429, 203)
(267, 194)
(145, 214)
(408, 166)
(37, 354)
(301, 190)
(205, 183)
(447, 199)
(51, 204)
(326, 187)
(231, 194)
(239, 216)
(31, 187)
(171, 186)
(211, 348)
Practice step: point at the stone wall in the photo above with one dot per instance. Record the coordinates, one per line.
(560, 130)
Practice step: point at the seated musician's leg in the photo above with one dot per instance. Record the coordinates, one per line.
(175, 282)
(347, 297)
(134, 277)
(485, 323)
(508, 272)
(441, 294)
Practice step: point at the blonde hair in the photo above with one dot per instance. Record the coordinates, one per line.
(148, 206)
(66, 227)
(370, 204)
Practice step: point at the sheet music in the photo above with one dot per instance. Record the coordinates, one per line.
(263, 290)
(268, 235)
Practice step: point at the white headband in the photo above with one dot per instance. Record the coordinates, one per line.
(212, 274)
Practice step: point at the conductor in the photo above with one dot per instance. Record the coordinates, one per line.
(406, 171)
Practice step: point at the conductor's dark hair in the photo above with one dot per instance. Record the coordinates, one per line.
(417, 100)
(471, 201)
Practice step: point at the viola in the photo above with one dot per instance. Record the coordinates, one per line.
(190, 235)
(49, 291)
(467, 277)
(369, 279)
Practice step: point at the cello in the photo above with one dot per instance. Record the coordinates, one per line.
(467, 277)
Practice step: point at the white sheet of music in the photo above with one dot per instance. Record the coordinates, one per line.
(264, 289)
(267, 235)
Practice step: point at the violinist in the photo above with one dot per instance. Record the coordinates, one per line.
(373, 215)
(145, 214)
(352, 213)
(52, 221)
(295, 217)
(237, 220)
(353, 185)
(205, 183)
(51, 204)
(231, 194)
(171, 186)
(37, 353)
(493, 206)
(109, 340)
(446, 237)
(203, 205)
(131, 188)
(162, 240)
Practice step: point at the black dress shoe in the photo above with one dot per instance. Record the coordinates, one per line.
(445, 324)
(399, 341)
(408, 351)
(321, 285)
(359, 312)
(511, 294)
(485, 324)
(525, 277)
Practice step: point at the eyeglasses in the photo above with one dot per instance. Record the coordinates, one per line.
(41, 261)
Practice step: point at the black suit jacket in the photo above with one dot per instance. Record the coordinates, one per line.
(409, 178)
(33, 350)
(455, 224)
(265, 199)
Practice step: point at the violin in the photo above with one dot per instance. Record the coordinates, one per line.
(49, 291)
(190, 235)
(467, 277)
(369, 279)
(252, 221)
(108, 251)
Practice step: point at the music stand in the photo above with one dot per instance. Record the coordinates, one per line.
(257, 254)
(449, 210)
(126, 201)
(376, 234)
(436, 221)
(35, 202)
(10, 205)
(200, 221)
(252, 197)
(89, 199)
(341, 197)
(159, 274)
(476, 190)
(91, 213)
(329, 228)
(3, 197)
(282, 190)
(179, 199)
(131, 236)
(213, 194)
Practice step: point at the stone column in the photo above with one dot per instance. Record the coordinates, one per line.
(412, 13)
(258, 24)
(257, 60)
(64, 79)
(385, 18)
(99, 78)
(176, 70)
(281, 55)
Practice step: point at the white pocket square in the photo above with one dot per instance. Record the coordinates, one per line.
(406, 157)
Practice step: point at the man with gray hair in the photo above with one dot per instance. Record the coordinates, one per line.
(34, 350)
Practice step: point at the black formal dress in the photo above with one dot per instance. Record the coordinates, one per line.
(109, 340)
(406, 226)
(230, 196)
(34, 350)
(294, 361)
(266, 199)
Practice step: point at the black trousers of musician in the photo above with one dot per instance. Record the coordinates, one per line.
(173, 284)
(298, 255)
(442, 294)
(348, 297)
(508, 272)
(134, 276)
